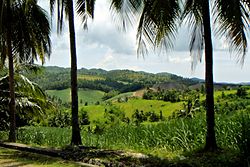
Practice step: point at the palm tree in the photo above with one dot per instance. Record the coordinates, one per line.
(231, 17)
(85, 8)
(157, 26)
(25, 36)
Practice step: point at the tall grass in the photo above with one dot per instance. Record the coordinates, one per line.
(244, 138)
(46, 136)
(173, 135)
(232, 132)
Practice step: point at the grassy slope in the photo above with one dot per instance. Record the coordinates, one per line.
(122, 95)
(86, 95)
(218, 93)
(97, 112)
(149, 105)
(226, 92)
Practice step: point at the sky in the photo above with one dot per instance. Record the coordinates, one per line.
(104, 46)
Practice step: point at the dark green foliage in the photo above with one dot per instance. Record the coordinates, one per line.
(223, 95)
(98, 127)
(191, 107)
(139, 116)
(59, 119)
(110, 94)
(114, 116)
(84, 118)
(241, 92)
(231, 103)
(165, 95)
(202, 89)
(152, 116)
(4, 120)
(60, 105)
(148, 95)
(31, 102)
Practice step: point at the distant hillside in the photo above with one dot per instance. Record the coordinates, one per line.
(58, 78)
(84, 95)
(217, 86)
(170, 85)
(245, 83)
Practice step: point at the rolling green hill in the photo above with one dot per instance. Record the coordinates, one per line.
(58, 78)
(96, 112)
(84, 95)
(121, 96)
(94, 83)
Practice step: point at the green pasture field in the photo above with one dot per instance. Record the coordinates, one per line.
(90, 77)
(84, 95)
(96, 112)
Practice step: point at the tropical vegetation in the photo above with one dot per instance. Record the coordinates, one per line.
(24, 36)
(158, 24)
(165, 116)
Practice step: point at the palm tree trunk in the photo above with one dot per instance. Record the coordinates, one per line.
(76, 137)
(210, 136)
(12, 107)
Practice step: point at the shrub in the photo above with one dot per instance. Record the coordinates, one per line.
(241, 92)
(60, 119)
(84, 118)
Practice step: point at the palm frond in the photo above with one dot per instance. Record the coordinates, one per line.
(158, 24)
(85, 8)
(126, 12)
(31, 30)
(29, 96)
(233, 20)
(193, 15)
(21, 68)
(61, 6)
(145, 33)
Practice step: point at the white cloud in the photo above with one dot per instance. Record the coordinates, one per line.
(179, 60)
(103, 46)
(107, 61)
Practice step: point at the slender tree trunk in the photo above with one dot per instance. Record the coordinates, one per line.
(12, 107)
(210, 136)
(76, 137)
